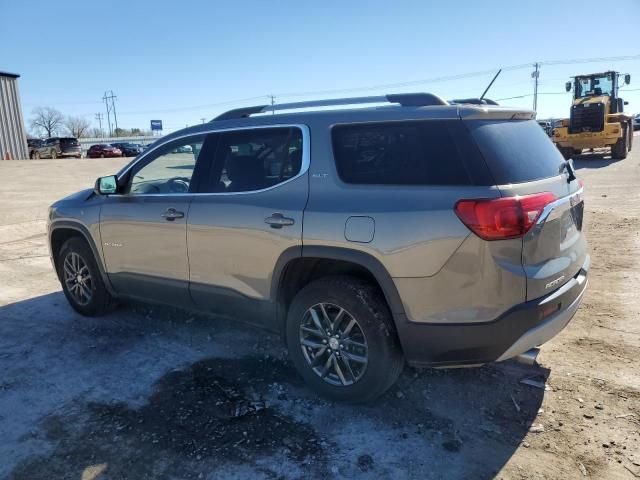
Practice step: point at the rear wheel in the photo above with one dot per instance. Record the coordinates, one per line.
(621, 147)
(102, 155)
(341, 339)
(54, 154)
(36, 155)
(81, 279)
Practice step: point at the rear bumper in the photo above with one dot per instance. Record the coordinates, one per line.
(523, 327)
(71, 153)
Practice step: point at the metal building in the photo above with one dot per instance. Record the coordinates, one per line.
(13, 138)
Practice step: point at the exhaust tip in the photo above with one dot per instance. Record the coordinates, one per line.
(529, 357)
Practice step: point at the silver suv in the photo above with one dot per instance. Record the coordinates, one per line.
(423, 231)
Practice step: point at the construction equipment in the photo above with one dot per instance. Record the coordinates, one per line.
(597, 118)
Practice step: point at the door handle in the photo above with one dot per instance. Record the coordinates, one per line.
(171, 214)
(277, 220)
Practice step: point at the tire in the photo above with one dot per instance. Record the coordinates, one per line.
(93, 300)
(54, 154)
(102, 155)
(630, 130)
(374, 330)
(621, 147)
(36, 155)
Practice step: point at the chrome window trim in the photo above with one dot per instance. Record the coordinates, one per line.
(304, 168)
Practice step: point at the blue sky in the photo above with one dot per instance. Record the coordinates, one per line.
(176, 61)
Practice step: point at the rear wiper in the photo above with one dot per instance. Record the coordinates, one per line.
(568, 166)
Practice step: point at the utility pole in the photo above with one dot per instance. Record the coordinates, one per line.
(106, 104)
(109, 101)
(203, 119)
(273, 102)
(99, 118)
(535, 75)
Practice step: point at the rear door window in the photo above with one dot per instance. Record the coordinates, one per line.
(255, 159)
(516, 151)
(433, 152)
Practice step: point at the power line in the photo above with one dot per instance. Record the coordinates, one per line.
(196, 107)
(530, 95)
(389, 85)
(461, 76)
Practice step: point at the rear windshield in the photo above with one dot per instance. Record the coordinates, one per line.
(432, 152)
(516, 151)
(69, 140)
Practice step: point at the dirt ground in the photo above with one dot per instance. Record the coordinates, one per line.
(150, 392)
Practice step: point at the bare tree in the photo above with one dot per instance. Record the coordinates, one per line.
(46, 120)
(95, 132)
(77, 126)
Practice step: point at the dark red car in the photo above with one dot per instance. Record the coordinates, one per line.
(103, 150)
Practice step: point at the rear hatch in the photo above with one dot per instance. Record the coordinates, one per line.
(524, 162)
(69, 145)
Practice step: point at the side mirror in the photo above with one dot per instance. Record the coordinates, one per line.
(627, 79)
(106, 185)
(567, 86)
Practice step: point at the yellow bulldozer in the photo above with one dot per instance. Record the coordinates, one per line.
(597, 118)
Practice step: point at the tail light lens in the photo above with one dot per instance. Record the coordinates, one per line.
(502, 218)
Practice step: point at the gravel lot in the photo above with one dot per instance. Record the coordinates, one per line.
(150, 392)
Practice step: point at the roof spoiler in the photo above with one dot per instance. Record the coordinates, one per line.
(475, 101)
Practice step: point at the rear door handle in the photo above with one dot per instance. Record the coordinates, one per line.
(171, 214)
(277, 220)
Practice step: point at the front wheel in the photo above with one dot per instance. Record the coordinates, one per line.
(621, 147)
(54, 154)
(341, 339)
(81, 280)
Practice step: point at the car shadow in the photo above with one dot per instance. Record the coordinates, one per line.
(223, 400)
(596, 159)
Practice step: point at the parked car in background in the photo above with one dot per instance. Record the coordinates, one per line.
(430, 233)
(34, 144)
(128, 149)
(183, 149)
(636, 122)
(103, 150)
(58, 147)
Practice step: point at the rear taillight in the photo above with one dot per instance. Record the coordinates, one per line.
(501, 218)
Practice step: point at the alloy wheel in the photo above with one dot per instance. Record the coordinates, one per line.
(333, 344)
(77, 278)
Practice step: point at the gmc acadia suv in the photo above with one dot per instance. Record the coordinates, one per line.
(432, 232)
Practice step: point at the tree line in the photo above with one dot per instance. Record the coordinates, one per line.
(49, 122)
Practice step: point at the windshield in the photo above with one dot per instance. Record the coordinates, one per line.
(594, 86)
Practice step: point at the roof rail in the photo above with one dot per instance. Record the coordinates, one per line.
(404, 99)
(475, 101)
